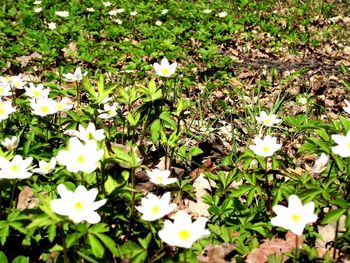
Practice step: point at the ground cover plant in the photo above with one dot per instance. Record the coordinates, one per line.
(174, 131)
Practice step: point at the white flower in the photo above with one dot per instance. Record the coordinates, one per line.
(10, 144)
(113, 12)
(161, 177)
(109, 111)
(107, 4)
(90, 9)
(38, 92)
(182, 232)
(76, 76)
(46, 167)
(79, 205)
(6, 109)
(118, 21)
(158, 23)
(120, 10)
(89, 133)
(38, 9)
(267, 120)
(133, 13)
(16, 169)
(44, 106)
(320, 164)
(164, 11)
(207, 11)
(165, 69)
(153, 208)
(37, 2)
(62, 13)
(347, 108)
(80, 157)
(343, 147)
(295, 216)
(265, 147)
(5, 87)
(222, 14)
(51, 25)
(64, 104)
(17, 82)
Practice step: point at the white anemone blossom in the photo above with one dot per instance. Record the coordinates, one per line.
(79, 156)
(153, 208)
(183, 232)
(294, 217)
(164, 69)
(79, 205)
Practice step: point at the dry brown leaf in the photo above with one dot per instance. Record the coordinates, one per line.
(70, 51)
(26, 59)
(216, 253)
(275, 246)
(199, 208)
(26, 199)
(328, 233)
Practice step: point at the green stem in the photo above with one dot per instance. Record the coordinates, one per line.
(335, 239)
(13, 193)
(78, 93)
(185, 256)
(296, 246)
(64, 245)
(133, 183)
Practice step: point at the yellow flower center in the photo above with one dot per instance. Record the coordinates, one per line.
(2, 89)
(184, 234)
(81, 159)
(44, 109)
(159, 179)
(89, 136)
(2, 111)
(165, 71)
(266, 149)
(267, 121)
(348, 145)
(17, 84)
(14, 168)
(47, 168)
(36, 93)
(79, 206)
(296, 218)
(155, 209)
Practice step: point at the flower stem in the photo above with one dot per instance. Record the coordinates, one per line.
(13, 193)
(64, 245)
(296, 246)
(335, 239)
(133, 183)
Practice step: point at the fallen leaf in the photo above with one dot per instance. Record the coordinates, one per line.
(26, 59)
(216, 253)
(26, 199)
(275, 246)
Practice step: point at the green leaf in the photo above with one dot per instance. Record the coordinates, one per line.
(109, 243)
(3, 258)
(99, 228)
(5, 231)
(97, 248)
(52, 232)
(110, 184)
(21, 259)
(166, 116)
(194, 151)
(155, 130)
(333, 215)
